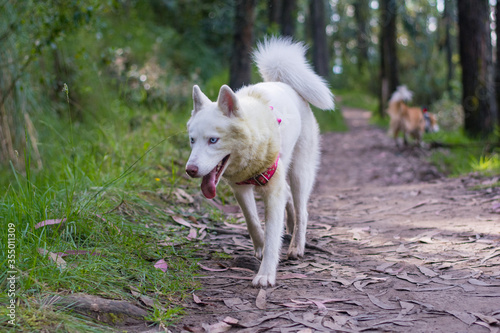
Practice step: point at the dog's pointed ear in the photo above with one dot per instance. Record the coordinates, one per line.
(199, 99)
(227, 101)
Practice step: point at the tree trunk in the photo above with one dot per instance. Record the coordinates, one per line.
(497, 64)
(389, 61)
(477, 71)
(320, 45)
(241, 62)
(448, 48)
(288, 17)
(361, 14)
(275, 12)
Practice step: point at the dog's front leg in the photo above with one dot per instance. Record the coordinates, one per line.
(245, 197)
(274, 195)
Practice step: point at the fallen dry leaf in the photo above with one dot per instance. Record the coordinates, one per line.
(466, 317)
(335, 327)
(212, 269)
(384, 266)
(217, 327)
(162, 265)
(404, 276)
(380, 304)
(228, 209)
(482, 283)
(192, 234)
(427, 272)
(197, 300)
(60, 262)
(487, 319)
(77, 252)
(180, 220)
(182, 196)
(260, 301)
(405, 308)
(491, 254)
(233, 301)
(49, 222)
(256, 322)
(292, 276)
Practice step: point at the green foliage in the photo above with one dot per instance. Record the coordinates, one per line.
(460, 155)
(107, 181)
(486, 164)
(28, 29)
(356, 98)
(450, 115)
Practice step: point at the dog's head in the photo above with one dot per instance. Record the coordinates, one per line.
(431, 124)
(210, 136)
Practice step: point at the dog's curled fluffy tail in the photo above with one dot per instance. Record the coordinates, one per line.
(280, 59)
(402, 94)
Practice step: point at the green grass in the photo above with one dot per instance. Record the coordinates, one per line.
(462, 155)
(356, 99)
(114, 186)
(330, 120)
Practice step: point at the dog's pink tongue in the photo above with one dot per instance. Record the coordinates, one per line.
(208, 184)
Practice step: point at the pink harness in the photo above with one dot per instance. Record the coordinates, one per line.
(263, 178)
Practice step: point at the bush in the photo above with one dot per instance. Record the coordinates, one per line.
(450, 115)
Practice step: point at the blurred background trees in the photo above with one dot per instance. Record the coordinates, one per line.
(147, 54)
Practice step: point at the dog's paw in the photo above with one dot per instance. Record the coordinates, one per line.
(295, 253)
(264, 280)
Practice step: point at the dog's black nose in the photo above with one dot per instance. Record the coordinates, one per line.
(192, 170)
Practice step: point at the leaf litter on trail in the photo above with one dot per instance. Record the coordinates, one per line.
(381, 304)
(182, 196)
(464, 316)
(261, 301)
(298, 320)
(493, 253)
(320, 304)
(427, 272)
(148, 301)
(221, 326)
(364, 281)
(256, 322)
(198, 300)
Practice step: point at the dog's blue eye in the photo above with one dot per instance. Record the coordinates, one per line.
(213, 140)
(192, 140)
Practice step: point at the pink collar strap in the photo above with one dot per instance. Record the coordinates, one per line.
(262, 178)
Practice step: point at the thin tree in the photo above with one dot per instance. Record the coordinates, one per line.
(241, 62)
(274, 12)
(389, 61)
(361, 14)
(497, 64)
(288, 17)
(478, 99)
(318, 30)
(448, 46)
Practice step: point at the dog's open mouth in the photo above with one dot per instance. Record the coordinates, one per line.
(210, 181)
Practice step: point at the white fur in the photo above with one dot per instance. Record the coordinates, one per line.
(281, 60)
(246, 127)
(401, 94)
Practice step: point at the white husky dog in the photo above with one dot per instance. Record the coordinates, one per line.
(257, 139)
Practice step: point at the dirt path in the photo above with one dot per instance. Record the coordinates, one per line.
(392, 247)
